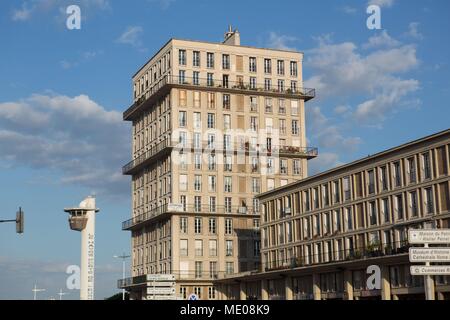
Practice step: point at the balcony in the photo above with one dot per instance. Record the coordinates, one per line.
(204, 146)
(195, 209)
(168, 82)
(369, 251)
(134, 165)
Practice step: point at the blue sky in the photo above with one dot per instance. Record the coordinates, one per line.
(61, 134)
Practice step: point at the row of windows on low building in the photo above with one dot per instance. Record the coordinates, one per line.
(357, 246)
(198, 291)
(404, 173)
(370, 214)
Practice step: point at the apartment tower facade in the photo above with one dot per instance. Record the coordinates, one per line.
(213, 125)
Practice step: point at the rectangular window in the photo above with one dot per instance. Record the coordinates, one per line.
(182, 118)
(227, 204)
(267, 66)
(182, 57)
(296, 167)
(226, 61)
(198, 183)
(267, 84)
(181, 76)
(210, 79)
(198, 225)
(229, 268)
(412, 170)
(212, 225)
(211, 121)
(426, 165)
(229, 248)
(228, 226)
(397, 174)
(295, 127)
(293, 69)
(210, 60)
(212, 204)
(253, 83)
(384, 178)
(196, 59)
(253, 104)
(347, 191)
(280, 67)
(252, 64)
(197, 203)
(413, 203)
(211, 100)
(198, 269)
(371, 182)
(226, 101)
(196, 78)
(183, 247)
(198, 248)
(212, 183)
(399, 206)
(228, 184)
(183, 224)
(429, 203)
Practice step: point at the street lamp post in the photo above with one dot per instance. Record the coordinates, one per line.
(123, 257)
(61, 293)
(35, 291)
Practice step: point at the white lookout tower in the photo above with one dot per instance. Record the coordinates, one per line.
(83, 219)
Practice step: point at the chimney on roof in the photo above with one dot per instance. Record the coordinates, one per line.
(232, 37)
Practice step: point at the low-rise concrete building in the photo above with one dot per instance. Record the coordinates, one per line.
(319, 235)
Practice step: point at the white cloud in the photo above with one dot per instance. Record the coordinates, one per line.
(341, 109)
(382, 39)
(381, 3)
(22, 14)
(349, 9)
(413, 31)
(132, 36)
(73, 136)
(341, 69)
(164, 4)
(84, 57)
(282, 42)
(323, 162)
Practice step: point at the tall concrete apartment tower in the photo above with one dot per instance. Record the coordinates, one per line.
(214, 124)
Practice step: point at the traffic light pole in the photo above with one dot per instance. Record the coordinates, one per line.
(19, 221)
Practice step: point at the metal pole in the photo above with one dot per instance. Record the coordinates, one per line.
(123, 257)
(429, 284)
(123, 277)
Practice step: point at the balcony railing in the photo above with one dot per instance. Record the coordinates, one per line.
(369, 251)
(219, 146)
(145, 156)
(179, 208)
(300, 93)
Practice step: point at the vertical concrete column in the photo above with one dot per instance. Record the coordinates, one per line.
(289, 295)
(317, 294)
(242, 291)
(348, 285)
(264, 290)
(385, 284)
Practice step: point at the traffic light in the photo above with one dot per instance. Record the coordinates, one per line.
(19, 221)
